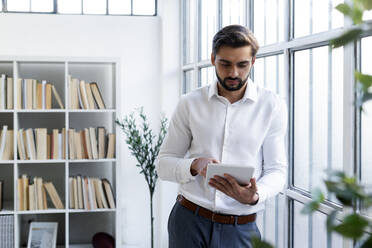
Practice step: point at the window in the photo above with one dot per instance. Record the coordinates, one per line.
(97, 7)
(318, 101)
(295, 61)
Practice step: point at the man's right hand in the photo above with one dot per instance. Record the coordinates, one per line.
(199, 166)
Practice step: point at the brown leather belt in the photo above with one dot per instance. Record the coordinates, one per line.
(219, 218)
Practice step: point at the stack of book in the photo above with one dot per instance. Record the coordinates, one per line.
(6, 92)
(84, 95)
(90, 193)
(91, 143)
(6, 231)
(6, 144)
(39, 144)
(34, 197)
(35, 95)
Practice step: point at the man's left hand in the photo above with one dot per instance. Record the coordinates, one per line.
(245, 194)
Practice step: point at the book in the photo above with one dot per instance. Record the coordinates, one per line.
(111, 146)
(41, 143)
(91, 104)
(39, 95)
(71, 134)
(32, 198)
(3, 138)
(84, 144)
(43, 94)
(80, 192)
(19, 93)
(34, 94)
(55, 144)
(8, 153)
(57, 97)
(83, 95)
(26, 193)
(102, 194)
(73, 92)
(93, 142)
(48, 96)
(76, 200)
(93, 200)
(109, 192)
(98, 193)
(97, 95)
(88, 144)
(78, 145)
(101, 142)
(20, 196)
(1, 194)
(9, 93)
(63, 143)
(52, 192)
(31, 150)
(20, 145)
(71, 192)
(3, 91)
(87, 195)
(29, 93)
(40, 195)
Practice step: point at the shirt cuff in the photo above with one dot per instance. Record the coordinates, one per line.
(184, 170)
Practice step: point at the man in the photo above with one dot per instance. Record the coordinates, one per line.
(231, 121)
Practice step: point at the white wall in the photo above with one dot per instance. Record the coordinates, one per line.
(137, 41)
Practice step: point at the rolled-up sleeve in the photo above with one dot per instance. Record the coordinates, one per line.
(171, 164)
(274, 172)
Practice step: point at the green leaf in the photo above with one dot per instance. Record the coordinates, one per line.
(367, 4)
(352, 226)
(258, 243)
(318, 195)
(365, 80)
(344, 9)
(330, 220)
(357, 15)
(310, 207)
(347, 37)
(367, 243)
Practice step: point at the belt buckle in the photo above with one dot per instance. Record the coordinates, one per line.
(213, 215)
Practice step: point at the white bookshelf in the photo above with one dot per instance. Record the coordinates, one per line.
(76, 227)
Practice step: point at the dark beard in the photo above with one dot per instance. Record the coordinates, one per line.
(235, 88)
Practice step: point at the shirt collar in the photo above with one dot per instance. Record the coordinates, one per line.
(250, 91)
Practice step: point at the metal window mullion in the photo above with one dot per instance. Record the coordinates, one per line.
(311, 129)
(131, 7)
(249, 14)
(55, 6)
(197, 40)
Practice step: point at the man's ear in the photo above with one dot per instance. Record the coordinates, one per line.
(253, 60)
(213, 59)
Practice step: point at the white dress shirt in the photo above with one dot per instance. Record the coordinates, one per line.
(250, 131)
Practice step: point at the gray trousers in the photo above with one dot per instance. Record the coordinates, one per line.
(189, 230)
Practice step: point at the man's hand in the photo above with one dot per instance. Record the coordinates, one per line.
(199, 166)
(245, 194)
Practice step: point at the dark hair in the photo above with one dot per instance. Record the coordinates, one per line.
(235, 36)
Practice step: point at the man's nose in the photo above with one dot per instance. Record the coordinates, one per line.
(234, 72)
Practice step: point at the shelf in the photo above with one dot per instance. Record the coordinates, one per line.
(48, 211)
(6, 161)
(92, 211)
(91, 160)
(92, 110)
(7, 111)
(49, 161)
(41, 111)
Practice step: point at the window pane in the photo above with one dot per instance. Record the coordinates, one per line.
(189, 30)
(208, 27)
(69, 7)
(268, 72)
(268, 21)
(314, 16)
(318, 115)
(366, 120)
(188, 81)
(207, 76)
(119, 7)
(42, 6)
(233, 12)
(300, 227)
(94, 7)
(18, 5)
(144, 7)
(367, 15)
(319, 229)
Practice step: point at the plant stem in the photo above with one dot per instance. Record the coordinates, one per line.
(152, 222)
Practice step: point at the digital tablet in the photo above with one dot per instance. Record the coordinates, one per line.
(242, 173)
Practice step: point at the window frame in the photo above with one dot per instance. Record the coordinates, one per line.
(55, 10)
